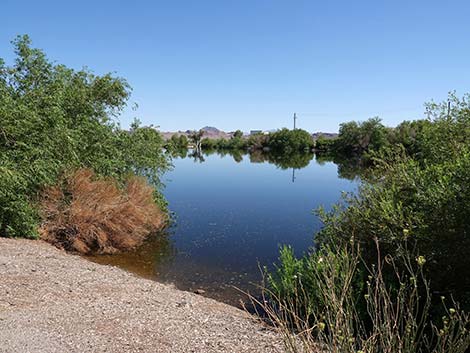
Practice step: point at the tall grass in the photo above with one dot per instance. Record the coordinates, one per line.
(87, 214)
(392, 315)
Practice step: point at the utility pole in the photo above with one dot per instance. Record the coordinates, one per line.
(448, 109)
(295, 118)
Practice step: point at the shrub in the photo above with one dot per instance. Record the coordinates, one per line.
(424, 206)
(414, 203)
(318, 310)
(55, 119)
(358, 138)
(287, 141)
(222, 144)
(177, 143)
(208, 144)
(257, 141)
(323, 144)
(16, 210)
(88, 214)
(422, 199)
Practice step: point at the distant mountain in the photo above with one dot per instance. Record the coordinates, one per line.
(167, 134)
(326, 135)
(214, 133)
(211, 129)
(209, 132)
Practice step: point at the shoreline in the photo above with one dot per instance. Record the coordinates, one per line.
(52, 301)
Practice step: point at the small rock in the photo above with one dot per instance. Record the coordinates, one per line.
(200, 291)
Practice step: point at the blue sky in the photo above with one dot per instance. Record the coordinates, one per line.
(251, 64)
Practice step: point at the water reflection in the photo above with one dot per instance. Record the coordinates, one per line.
(232, 212)
(348, 168)
(283, 161)
(147, 261)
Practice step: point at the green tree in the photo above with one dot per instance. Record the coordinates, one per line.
(196, 138)
(412, 210)
(54, 119)
(323, 144)
(290, 141)
(183, 141)
(358, 138)
(416, 201)
(177, 144)
(237, 134)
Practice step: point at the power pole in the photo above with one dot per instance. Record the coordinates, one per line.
(295, 118)
(448, 109)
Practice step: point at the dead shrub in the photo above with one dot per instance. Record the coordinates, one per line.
(87, 214)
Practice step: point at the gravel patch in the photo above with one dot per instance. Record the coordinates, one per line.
(51, 301)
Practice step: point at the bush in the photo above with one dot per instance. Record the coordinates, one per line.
(318, 309)
(16, 210)
(414, 205)
(55, 119)
(422, 199)
(287, 141)
(88, 214)
(209, 144)
(424, 206)
(177, 143)
(359, 138)
(257, 141)
(323, 144)
(222, 144)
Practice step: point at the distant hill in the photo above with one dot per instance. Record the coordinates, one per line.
(326, 135)
(214, 133)
(209, 132)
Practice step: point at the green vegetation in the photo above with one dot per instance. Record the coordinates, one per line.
(284, 148)
(238, 134)
(55, 120)
(288, 141)
(336, 300)
(196, 139)
(359, 138)
(410, 219)
(177, 143)
(323, 144)
(296, 160)
(283, 141)
(235, 143)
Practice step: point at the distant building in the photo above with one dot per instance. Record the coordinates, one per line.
(255, 132)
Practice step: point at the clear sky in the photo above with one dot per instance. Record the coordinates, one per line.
(251, 64)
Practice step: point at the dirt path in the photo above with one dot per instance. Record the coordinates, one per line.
(51, 301)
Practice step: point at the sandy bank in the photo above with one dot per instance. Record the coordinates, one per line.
(51, 301)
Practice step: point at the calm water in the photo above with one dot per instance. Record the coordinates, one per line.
(232, 215)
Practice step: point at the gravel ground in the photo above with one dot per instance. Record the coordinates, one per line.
(51, 301)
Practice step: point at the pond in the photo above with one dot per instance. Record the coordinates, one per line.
(232, 213)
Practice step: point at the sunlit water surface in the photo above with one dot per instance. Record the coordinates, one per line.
(231, 217)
